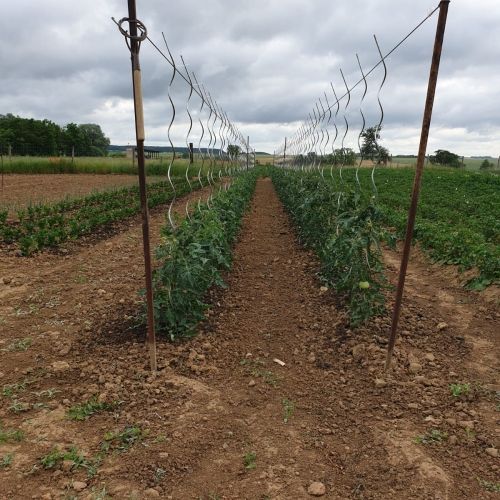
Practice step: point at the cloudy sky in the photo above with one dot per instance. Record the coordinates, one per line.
(266, 62)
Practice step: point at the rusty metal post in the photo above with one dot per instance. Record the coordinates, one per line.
(191, 153)
(426, 123)
(140, 137)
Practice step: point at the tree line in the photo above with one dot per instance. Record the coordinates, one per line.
(27, 136)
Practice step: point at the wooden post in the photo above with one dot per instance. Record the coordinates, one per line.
(284, 154)
(248, 152)
(72, 154)
(426, 124)
(191, 153)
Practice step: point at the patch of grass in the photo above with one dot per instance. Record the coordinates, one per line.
(249, 460)
(432, 437)
(47, 393)
(122, 441)
(489, 486)
(19, 345)
(6, 461)
(10, 436)
(87, 409)
(288, 409)
(159, 475)
(11, 390)
(255, 368)
(56, 457)
(458, 390)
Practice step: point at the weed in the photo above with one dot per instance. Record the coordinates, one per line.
(7, 436)
(268, 376)
(86, 410)
(47, 393)
(19, 406)
(434, 436)
(10, 390)
(19, 345)
(159, 475)
(6, 461)
(101, 494)
(489, 486)
(288, 409)
(77, 459)
(122, 441)
(249, 460)
(458, 389)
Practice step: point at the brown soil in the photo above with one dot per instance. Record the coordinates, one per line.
(21, 190)
(221, 399)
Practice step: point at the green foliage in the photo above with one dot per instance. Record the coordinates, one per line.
(445, 158)
(87, 409)
(288, 409)
(6, 461)
(27, 136)
(489, 485)
(458, 389)
(10, 436)
(432, 437)
(194, 255)
(233, 150)
(19, 345)
(50, 225)
(371, 149)
(457, 220)
(55, 458)
(122, 440)
(486, 165)
(249, 460)
(344, 229)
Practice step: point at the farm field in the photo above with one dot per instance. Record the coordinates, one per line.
(82, 417)
(22, 190)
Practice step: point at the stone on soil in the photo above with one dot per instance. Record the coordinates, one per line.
(316, 489)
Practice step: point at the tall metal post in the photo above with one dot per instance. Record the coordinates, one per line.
(140, 137)
(284, 154)
(426, 123)
(191, 153)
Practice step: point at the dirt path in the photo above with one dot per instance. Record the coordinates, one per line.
(223, 419)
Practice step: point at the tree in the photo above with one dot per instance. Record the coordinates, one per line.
(445, 158)
(341, 156)
(371, 149)
(485, 165)
(233, 150)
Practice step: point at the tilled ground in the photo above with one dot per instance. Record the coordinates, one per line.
(276, 398)
(22, 190)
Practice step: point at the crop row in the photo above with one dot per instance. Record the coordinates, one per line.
(49, 225)
(194, 255)
(345, 231)
(458, 219)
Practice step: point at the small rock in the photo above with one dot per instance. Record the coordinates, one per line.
(152, 493)
(102, 397)
(441, 326)
(79, 485)
(316, 489)
(466, 424)
(415, 368)
(430, 357)
(251, 383)
(311, 358)
(492, 452)
(453, 440)
(323, 289)
(413, 406)
(164, 454)
(60, 366)
(380, 382)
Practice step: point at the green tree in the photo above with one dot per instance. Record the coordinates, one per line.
(485, 165)
(445, 158)
(233, 150)
(371, 149)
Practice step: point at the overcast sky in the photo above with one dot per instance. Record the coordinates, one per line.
(266, 62)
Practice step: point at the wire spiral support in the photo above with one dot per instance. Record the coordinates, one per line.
(364, 123)
(187, 135)
(342, 163)
(169, 176)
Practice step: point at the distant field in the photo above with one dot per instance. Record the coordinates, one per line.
(469, 163)
(97, 165)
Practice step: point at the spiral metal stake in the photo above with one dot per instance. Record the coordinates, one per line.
(426, 123)
(327, 133)
(364, 122)
(188, 133)
(335, 125)
(200, 169)
(137, 34)
(174, 72)
(379, 126)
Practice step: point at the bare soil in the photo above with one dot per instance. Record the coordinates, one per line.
(275, 393)
(21, 190)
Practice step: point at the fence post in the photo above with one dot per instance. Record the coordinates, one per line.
(135, 40)
(284, 155)
(426, 123)
(248, 151)
(191, 153)
(72, 154)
